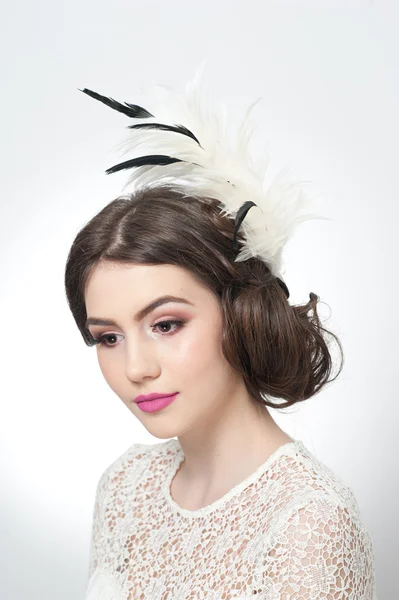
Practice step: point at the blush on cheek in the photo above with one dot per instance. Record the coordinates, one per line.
(199, 350)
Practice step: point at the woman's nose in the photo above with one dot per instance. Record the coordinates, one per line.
(141, 362)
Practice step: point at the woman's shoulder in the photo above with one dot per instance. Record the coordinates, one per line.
(136, 457)
(305, 477)
(317, 517)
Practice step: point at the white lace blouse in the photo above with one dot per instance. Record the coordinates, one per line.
(290, 531)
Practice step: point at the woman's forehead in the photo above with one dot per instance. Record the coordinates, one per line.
(135, 287)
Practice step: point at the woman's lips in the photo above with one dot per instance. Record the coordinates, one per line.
(157, 403)
(153, 396)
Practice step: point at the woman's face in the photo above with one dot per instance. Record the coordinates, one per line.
(141, 354)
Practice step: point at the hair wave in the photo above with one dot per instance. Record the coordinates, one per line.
(281, 350)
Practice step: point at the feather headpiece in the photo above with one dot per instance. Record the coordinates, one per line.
(184, 141)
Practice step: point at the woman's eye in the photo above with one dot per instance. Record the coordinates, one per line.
(104, 340)
(101, 340)
(162, 324)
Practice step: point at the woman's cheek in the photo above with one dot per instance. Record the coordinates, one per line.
(195, 348)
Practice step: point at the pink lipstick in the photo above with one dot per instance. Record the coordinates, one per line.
(154, 402)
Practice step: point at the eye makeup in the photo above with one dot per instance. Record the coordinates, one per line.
(178, 324)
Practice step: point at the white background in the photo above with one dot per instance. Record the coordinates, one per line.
(328, 72)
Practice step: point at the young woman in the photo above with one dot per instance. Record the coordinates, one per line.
(195, 334)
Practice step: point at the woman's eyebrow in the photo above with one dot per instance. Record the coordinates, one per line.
(142, 313)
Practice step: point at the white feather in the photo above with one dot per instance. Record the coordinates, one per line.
(226, 172)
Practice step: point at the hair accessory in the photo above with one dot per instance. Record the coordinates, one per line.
(194, 153)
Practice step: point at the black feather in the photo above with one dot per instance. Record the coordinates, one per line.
(176, 128)
(283, 287)
(133, 111)
(240, 216)
(140, 161)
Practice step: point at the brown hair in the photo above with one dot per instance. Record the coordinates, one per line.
(278, 349)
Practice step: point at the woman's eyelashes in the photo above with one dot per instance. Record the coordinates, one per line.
(178, 324)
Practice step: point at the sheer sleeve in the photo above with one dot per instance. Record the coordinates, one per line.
(98, 522)
(321, 551)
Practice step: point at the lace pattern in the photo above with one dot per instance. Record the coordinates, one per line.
(290, 531)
